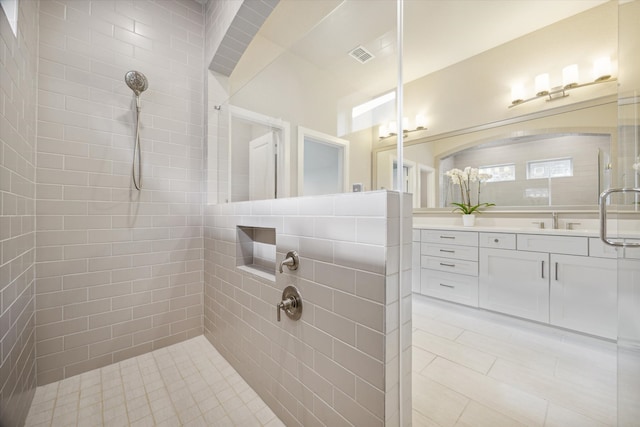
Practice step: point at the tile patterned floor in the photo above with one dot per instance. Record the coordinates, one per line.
(471, 368)
(186, 384)
(476, 368)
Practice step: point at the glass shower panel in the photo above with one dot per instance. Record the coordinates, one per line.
(627, 219)
(329, 69)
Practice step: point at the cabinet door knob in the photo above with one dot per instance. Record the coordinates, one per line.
(496, 240)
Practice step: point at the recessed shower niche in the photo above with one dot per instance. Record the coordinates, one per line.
(256, 251)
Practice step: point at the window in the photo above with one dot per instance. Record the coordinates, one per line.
(367, 114)
(536, 193)
(11, 10)
(506, 172)
(365, 107)
(551, 168)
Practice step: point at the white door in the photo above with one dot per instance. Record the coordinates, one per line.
(262, 168)
(515, 282)
(408, 177)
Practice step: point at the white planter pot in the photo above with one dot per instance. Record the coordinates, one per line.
(468, 220)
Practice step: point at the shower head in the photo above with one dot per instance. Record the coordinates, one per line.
(136, 81)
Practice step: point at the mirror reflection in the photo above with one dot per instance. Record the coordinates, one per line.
(332, 73)
(541, 170)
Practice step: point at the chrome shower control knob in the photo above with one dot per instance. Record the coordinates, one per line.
(291, 260)
(291, 303)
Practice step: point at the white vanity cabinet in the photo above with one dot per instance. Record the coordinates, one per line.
(515, 283)
(565, 280)
(584, 294)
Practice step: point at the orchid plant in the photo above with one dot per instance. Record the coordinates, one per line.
(464, 178)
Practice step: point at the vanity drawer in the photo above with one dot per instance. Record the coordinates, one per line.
(450, 265)
(465, 238)
(448, 286)
(498, 240)
(600, 250)
(469, 253)
(555, 244)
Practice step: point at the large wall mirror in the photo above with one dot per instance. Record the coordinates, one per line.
(333, 73)
(555, 169)
(558, 162)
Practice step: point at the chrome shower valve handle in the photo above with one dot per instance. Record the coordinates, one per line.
(291, 260)
(291, 303)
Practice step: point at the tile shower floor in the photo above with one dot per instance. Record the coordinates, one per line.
(186, 384)
(476, 368)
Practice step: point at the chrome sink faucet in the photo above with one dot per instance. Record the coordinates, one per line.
(554, 219)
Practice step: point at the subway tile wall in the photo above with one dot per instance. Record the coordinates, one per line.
(119, 272)
(398, 313)
(219, 15)
(18, 97)
(336, 365)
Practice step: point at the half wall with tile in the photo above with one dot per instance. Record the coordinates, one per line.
(338, 364)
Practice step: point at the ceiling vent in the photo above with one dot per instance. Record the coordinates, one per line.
(361, 54)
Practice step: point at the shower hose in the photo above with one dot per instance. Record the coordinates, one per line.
(137, 182)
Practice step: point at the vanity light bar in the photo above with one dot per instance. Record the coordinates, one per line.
(601, 72)
(387, 130)
(559, 92)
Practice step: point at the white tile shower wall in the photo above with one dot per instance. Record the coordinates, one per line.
(18, 96)
(334, 366)
(119, 272)
(394, 307)
(218, 14)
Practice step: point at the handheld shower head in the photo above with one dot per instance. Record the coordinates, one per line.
(138, 84)
(136, 81)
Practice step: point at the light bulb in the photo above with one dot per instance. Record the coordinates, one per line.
(542, 84)
(517, 93)
(393, 127)
(570, 76)
(602, 69)
(405, 124)
(383, 132)
(421, 121)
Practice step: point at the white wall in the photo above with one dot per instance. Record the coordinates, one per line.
(119, 272)
(478, 90)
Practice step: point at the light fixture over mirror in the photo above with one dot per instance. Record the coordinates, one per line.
(389, 129)
(570, 80)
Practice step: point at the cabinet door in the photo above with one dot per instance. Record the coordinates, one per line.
(584, 294)
(415, 267)
(515, 282)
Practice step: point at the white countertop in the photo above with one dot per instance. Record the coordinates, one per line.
(585, 232)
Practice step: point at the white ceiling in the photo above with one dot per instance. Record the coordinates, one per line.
(438, 33)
